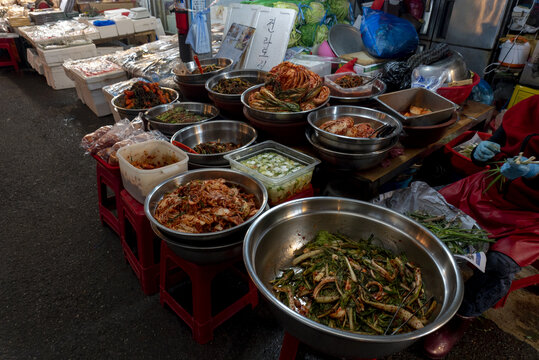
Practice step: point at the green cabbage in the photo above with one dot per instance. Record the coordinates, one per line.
(288, 5)
(340, 8)
(321, 34)
(307, 34)
(314, 13)
(294, 39)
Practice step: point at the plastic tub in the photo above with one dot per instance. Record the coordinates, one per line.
(336, 90)
(279, 187)
(139, 182)
(462, 164)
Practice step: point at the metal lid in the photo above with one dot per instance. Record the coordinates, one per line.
(345, 39)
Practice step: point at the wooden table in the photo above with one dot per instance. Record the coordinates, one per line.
(472, 114)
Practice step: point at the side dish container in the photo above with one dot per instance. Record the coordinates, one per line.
(279, 187)
(139, 182)
(399, 102)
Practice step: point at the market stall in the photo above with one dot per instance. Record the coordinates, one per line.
(254, 160)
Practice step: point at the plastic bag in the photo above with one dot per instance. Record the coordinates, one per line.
(387, 36)
(483, 93)
(424, 78)
(198, 36)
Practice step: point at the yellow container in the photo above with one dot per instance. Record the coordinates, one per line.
(520, 93)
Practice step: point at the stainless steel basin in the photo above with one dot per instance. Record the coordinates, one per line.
(273, 238)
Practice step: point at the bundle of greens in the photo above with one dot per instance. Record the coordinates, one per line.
(451, 232)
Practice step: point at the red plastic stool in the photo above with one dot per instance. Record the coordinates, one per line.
(519, 284)
(201, 321)
(139, 243)
(289, 348)
(12, 54)
(109, 178)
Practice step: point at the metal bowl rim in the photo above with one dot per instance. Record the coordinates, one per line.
(113, 100)
(202, 156)
(222, 75)
(350, 139)
(269, 113)
(357, 156)
(413, 335)
(152, 119)
(351, 98)
(202, 236)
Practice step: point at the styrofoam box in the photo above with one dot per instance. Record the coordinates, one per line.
(139, 182)
(114, 12)
(94, 97)
(31, 54)
(108, 31)
(57, 78)
(124, 25)
(78, 89)
(57, 56)
(39, 65)
(98, 81)
(146, 24)
(108, 98)
(95, 100)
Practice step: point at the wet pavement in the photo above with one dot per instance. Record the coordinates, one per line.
(66, 290)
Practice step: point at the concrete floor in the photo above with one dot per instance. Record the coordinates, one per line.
(65, 288)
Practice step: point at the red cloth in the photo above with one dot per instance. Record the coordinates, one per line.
(512, 215)
(349, 66)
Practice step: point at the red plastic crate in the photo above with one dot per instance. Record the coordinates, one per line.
(110, 204)
(461, 163)
(140, 244)
(200, 320)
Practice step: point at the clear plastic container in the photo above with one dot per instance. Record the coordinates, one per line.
(337, 90)
(139, 182)
(279, 186)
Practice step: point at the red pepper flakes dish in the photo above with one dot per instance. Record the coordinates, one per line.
(143, 95)
(203, 206)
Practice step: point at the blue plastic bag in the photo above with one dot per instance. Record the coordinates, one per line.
(198, 36)
(387, 36)
(483, 93)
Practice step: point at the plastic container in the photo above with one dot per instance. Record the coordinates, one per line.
(336, 90)
(462, 164)
(279, 187)
(139, 182)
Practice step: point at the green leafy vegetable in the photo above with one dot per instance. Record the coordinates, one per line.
(314, 13)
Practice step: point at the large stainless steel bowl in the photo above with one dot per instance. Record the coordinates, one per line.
(132, 113)
(274, 117)
(254, 76)
(249, 185)
(191, 78)
(272, 240)
(346, 160)
(210, 111)
(223, 130)
(360, 115)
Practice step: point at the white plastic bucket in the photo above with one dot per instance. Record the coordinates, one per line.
(514, 55)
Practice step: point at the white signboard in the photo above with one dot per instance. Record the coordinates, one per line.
(268, 47)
